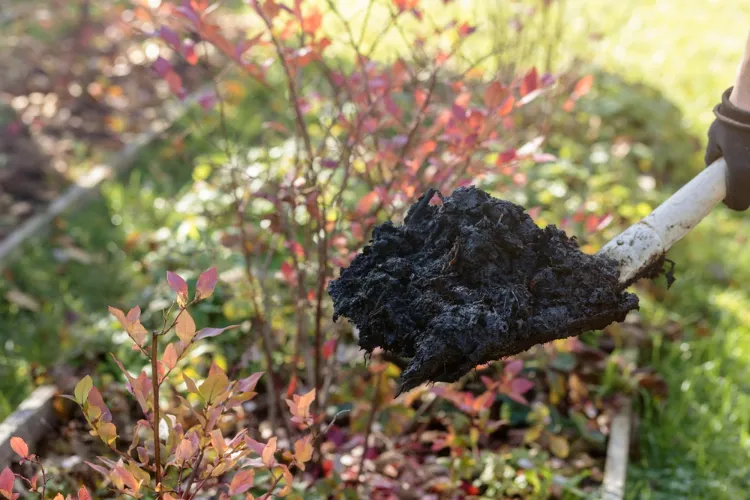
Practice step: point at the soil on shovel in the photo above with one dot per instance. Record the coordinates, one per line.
(470, 281)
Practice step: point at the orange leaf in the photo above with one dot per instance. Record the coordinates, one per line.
(288, 480)
(494, 94)
(19, 446)
(83, 494)
(217, 440)
(185, 450)
(583, 86)
(268, 451)
(170, 357)
(365, 203)
(312, 22)
(185, 327)
(303, 451)
(242, 481)
(507, 106)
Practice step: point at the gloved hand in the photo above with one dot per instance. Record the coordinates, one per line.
(729, 136)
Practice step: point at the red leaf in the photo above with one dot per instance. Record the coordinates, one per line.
(205, 333)
(583, 86)
(6, 483)
(287, 272)
(178, 284)
(19, 446)
(530, 82)
(521, 385)
(506, 156)
(296, 248)
(206, 283)
(466, 29)
(292, 386)
(329, 348)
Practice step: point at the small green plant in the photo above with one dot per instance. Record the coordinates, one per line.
(166, 458)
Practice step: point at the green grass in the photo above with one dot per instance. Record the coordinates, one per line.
(689, 444)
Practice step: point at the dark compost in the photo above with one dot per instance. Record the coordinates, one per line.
(470, 281)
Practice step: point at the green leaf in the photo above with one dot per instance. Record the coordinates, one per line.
(564, 362)
(81, 392)
(214, 386)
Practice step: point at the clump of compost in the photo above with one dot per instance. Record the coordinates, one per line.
(470, 281)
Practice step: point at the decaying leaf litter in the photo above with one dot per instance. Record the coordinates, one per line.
(471, 280)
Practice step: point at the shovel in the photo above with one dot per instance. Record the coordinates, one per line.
(645, 242)
(475, 279)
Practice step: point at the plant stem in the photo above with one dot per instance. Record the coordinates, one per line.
(155, 386)
(370, 420)
(194, 473)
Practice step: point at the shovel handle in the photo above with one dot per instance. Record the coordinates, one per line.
(645, 242)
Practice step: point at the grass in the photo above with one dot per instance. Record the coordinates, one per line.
(688, 443)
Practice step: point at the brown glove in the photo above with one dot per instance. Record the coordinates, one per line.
(729, 136)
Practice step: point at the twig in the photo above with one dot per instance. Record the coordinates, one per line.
(290, 83)
(194, 472)
(370, 420)
(155, 388)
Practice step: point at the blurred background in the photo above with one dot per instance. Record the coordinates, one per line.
(613, 101)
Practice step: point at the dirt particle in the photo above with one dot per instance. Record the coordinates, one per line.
(471, 281)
